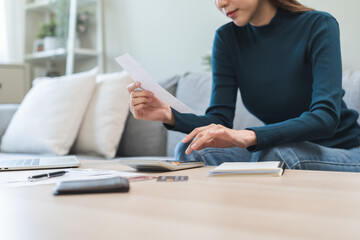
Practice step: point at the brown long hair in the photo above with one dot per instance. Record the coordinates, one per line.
(290, 5)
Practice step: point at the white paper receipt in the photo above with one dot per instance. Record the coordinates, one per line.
(138, 74)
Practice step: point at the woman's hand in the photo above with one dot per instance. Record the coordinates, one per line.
(144, 105)
(218, 136)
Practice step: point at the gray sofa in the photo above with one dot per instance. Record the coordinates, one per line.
(144, 138)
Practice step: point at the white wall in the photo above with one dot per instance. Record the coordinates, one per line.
(167, 37)
(171, 36)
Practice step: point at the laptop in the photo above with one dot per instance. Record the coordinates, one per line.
(38, 163)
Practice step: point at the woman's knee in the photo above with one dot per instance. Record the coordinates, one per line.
(180, 151)
(286, 153)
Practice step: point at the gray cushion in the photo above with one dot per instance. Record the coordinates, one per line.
(351, 85)
(194, 89)
(145, 138)
(142, 138)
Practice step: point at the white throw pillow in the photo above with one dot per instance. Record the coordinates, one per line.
(49, 118)
(105, 118)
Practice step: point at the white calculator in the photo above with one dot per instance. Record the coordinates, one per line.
(160, 164)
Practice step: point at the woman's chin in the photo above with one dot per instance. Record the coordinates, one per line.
(240, 22)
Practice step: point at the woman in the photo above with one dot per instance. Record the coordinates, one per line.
(285, 59)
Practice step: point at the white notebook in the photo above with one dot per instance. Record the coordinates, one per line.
(274, 168)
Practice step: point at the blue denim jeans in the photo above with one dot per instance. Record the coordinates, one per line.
(303, 155)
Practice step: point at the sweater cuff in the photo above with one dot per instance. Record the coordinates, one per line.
(178, 123)
(263, 137)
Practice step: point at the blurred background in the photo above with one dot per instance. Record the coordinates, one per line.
(167, 37)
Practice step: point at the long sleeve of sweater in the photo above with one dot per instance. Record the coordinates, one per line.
(289, 74)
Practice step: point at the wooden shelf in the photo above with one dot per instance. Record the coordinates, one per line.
(47, 5)
(43, 6)
(37, 11)
(59, 55)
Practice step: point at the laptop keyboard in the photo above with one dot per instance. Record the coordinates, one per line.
(20, 162)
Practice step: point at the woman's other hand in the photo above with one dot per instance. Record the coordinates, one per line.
(144, 105)
(218, 136)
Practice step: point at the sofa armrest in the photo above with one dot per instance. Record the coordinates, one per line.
(7, 111)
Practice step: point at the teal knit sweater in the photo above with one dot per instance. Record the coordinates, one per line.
(289, 75)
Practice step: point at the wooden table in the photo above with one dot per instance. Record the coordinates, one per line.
(298, 205)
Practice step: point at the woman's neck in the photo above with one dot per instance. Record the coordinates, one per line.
(263, 14)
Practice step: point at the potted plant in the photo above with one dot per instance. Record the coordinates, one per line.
(207, 62)
(47, 33)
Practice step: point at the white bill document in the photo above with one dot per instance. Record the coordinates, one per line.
(20, 178)
(138, 74)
